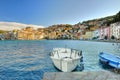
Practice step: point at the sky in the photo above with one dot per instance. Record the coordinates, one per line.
(50, 12)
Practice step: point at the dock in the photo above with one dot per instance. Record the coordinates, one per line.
(86, 75)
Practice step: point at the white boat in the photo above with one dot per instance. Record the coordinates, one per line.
(66, 59)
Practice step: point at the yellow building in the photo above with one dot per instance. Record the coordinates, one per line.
(93, 28)
(88, 35)
(20, 35)
(39, 35)
(29, 33)
(52, 35)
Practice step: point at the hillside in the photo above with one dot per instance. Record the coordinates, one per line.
(2, 31)
(90, 24)
(106, 21)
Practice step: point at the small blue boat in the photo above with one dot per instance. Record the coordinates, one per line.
(110, 59)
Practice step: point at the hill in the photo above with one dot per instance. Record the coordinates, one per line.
(8, 26)
(105, 21)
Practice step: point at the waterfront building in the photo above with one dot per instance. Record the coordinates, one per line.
(52, 35)
(2, 37)
(96, 33)
(29, 33)
(38, 35)
(107, 32)
(101, 33)
(88, 34)
(15, 33)
(104, 32)
(20, 35)
(115, 30)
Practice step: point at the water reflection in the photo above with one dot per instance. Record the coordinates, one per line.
(106, 66)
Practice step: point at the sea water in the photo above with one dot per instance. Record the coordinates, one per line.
(29, 60)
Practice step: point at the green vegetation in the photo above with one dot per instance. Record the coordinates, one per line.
(2, 31)
(60, 25)
(106, 21)
(113, 19)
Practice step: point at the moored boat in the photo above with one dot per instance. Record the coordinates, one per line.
(66, 59)
(110, 59)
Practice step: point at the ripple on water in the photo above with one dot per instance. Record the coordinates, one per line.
(28, 60)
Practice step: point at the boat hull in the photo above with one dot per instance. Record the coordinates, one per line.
(66, 65)
(110, 59)
(66, 59)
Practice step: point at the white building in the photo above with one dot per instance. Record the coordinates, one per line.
(2, 37)
(96, 33)
(115, 30)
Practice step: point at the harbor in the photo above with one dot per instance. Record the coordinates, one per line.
(26, 60)
(59, 40)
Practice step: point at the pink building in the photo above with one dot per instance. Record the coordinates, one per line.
(105, 31)
(101, 33)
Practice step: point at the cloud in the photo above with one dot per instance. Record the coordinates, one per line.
(13, 25)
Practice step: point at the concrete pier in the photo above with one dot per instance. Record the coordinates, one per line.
(88, 75)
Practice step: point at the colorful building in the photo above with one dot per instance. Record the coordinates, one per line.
(101, 33)
(89, 34)
(115, 30)
(96, 33)
(105, 32)
(30, 34)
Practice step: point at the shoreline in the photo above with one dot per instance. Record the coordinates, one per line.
(111, 41)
